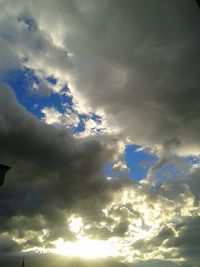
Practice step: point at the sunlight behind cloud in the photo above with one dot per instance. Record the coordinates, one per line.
(86, 248)
(99, 122)
(75, 224)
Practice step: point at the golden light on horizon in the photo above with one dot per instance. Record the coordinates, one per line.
(86, 248)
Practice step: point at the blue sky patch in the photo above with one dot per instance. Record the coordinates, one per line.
(21, 79)
(139, 162)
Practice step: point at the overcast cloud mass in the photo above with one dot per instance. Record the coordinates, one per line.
(126, 72)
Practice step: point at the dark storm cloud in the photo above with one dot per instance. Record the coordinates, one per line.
(143, 67)
(137, 60)
(52, 175)
(187, 239)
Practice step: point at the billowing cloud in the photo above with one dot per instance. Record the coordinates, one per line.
(56, 191)
(131, 69)
(52, 175)
(52, 116)
(137, 61)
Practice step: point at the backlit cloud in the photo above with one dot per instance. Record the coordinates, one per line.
(103, 75)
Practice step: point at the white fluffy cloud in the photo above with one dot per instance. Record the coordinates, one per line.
(52, 116)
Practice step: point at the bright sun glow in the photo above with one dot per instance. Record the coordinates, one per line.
(86, 248)
(75, 224)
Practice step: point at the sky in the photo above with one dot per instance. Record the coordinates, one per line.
(99, 121)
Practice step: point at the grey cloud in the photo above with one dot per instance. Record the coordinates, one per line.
(143, 67)
(24, 43)
(188, 234)
(155, 263)
(136, 60)
(105, 232)
(121, 228)
(165, 233)
(183, 183)
(148, 246)
(187, 240)
(7, 245)
(100, 233)
(52, 174)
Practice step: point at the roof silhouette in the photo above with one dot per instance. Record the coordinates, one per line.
(3, 170)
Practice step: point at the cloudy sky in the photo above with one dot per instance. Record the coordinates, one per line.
(99, 121)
